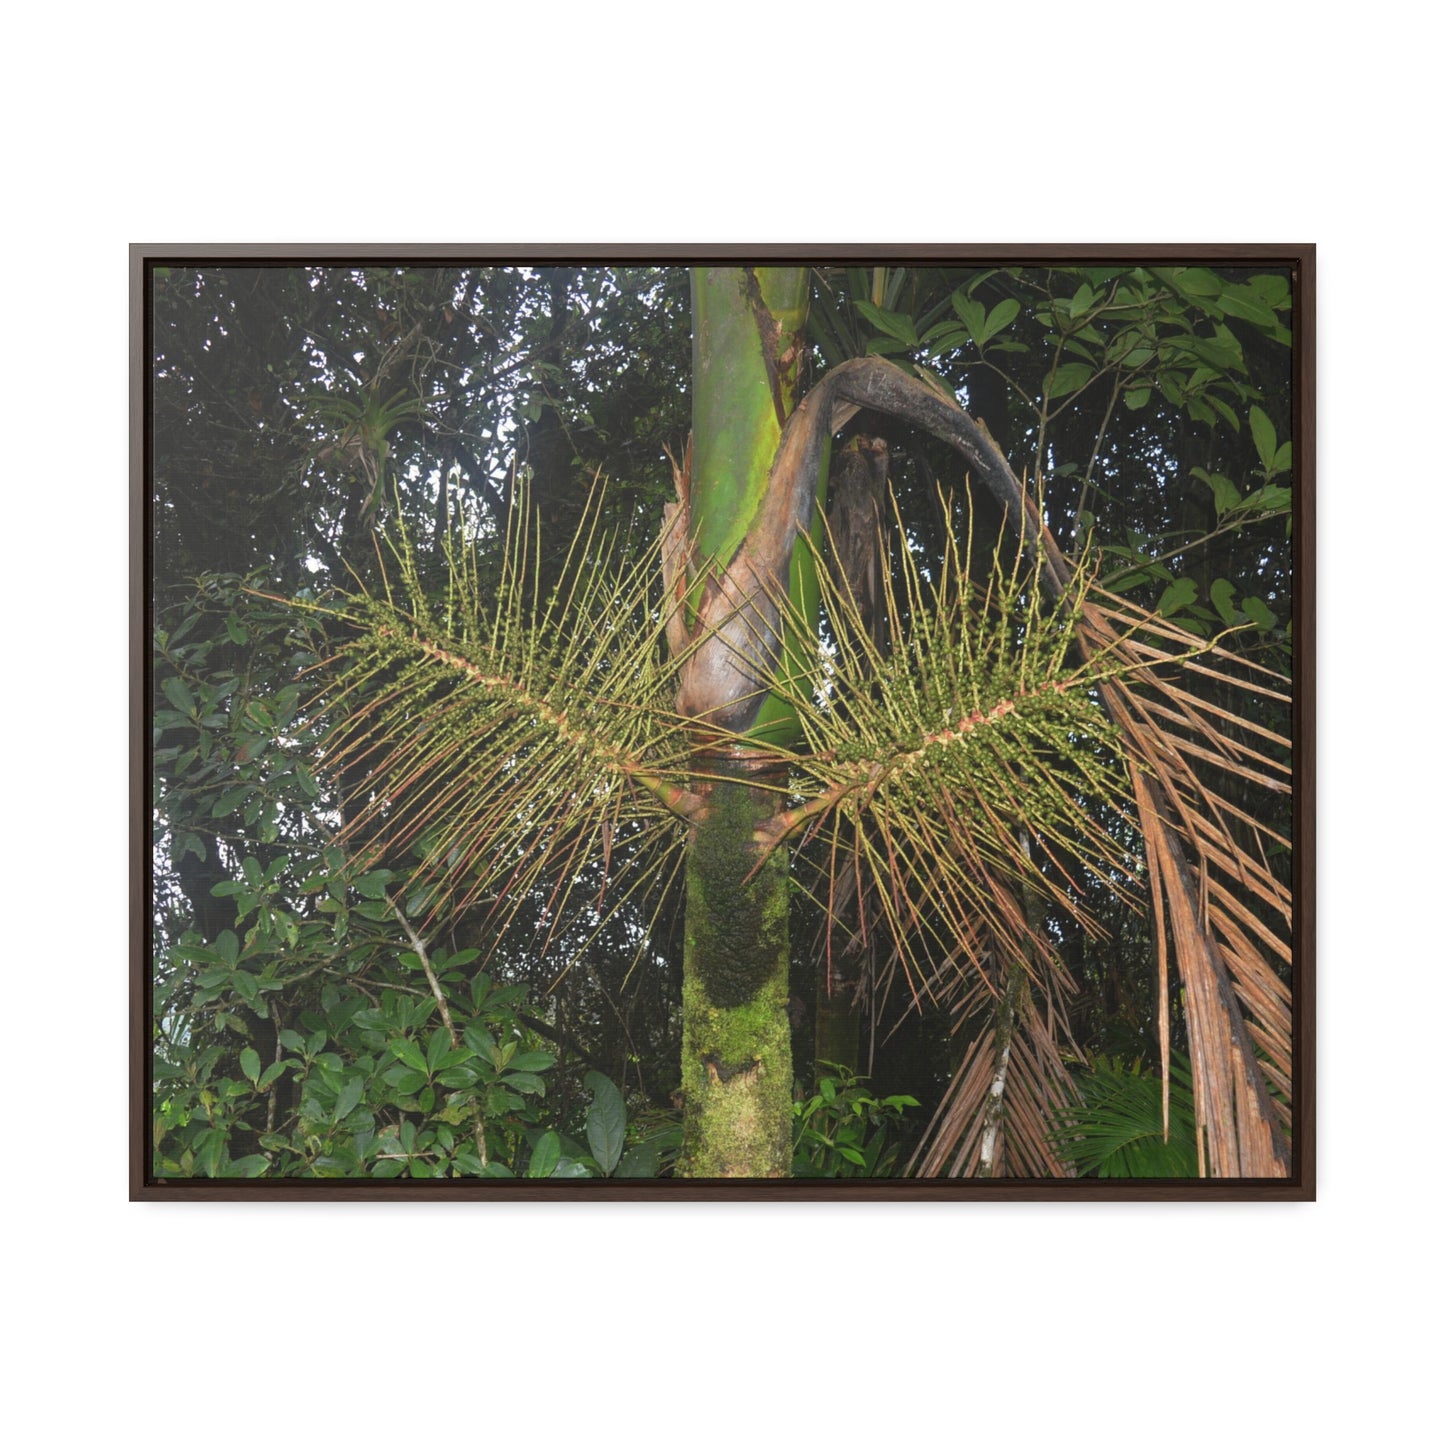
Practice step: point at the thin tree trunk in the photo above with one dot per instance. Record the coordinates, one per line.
(737, 556)
(736, 1043)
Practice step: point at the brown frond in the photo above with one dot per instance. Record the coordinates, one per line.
(1000, 1111)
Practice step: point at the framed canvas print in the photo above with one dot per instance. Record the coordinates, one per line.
(773, 723)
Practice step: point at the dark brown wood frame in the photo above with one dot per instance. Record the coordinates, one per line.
(1300, 1187)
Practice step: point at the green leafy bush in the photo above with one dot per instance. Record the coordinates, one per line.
(301, 1026)
(845, 1132)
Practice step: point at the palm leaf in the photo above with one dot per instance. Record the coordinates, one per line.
(996, 1116)
(512, 744)
(1115, 1127)
(1187, 747)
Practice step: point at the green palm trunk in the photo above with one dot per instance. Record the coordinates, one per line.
(737, 1058)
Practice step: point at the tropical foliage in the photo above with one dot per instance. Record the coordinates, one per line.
(428, 596)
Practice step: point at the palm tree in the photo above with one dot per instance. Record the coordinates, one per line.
(1028, 739)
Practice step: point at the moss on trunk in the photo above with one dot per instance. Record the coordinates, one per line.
(738, 1068)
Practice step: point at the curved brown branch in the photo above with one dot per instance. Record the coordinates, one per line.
(735, 659)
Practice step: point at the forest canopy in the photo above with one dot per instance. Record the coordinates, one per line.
(640, 722)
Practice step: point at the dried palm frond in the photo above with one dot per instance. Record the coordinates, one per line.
(1228, 913)
(1212, 892)
(998, 1112)
(1015, 750)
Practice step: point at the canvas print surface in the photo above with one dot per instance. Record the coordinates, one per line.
(645, 723)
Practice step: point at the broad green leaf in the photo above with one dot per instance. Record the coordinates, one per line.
(1239, 301)
(640, 1162)
(1179, 593)
(409, 1054)
(891, 323)
(479, 1041)
(179, 695)
(230, 800)
(437, 1048)
(1198, 282)
(1273, 291)
(1226, 494)
(1261, 428)
(1068, 378)
(459, 1076)
(210, 1153)
(1221, 593)
(1129, 581)
(1258, 613)
(606, 1121)
(1000, 317)
(971, 313)
(1136, 397)
(349, 1097)
(251, 1064)
(373, 885)
(405, 1080)
(545, 1157)
(1227, 412)
(532, 1063)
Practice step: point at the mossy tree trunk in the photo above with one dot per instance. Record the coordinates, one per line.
(737, 1054)
(742, 555)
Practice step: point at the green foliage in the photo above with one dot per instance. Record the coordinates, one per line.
(320, 1001)
(1115, 1130)
(353, 1090)
(297, 1032)
(844, 1131)
(1092, 365)
(617, 1147)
